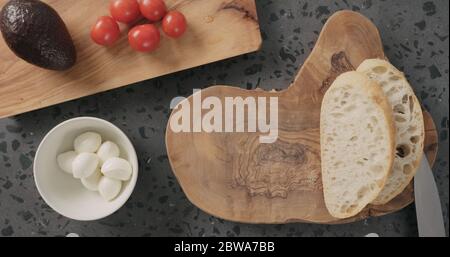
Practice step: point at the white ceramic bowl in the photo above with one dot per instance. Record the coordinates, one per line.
(65, 194)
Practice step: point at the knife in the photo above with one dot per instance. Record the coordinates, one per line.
(428, 204)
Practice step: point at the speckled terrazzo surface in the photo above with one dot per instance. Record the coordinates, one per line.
(415, 34)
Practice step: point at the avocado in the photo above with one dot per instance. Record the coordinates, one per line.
(36, 33)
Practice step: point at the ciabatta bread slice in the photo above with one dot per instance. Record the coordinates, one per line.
(408, 118)
(357, 143)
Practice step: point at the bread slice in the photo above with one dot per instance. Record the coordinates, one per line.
(357, 143)
(408, 118)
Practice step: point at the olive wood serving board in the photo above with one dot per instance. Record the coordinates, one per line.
(234, 177)
(217, 29)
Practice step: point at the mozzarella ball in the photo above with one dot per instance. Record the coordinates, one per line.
(109, 188)
(65, 161)
(88, 142)
(108, 150)
(84, 165)
(91, 182)
(117, 168)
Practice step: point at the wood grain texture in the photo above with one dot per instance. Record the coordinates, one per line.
(218, 29)
(234, 177)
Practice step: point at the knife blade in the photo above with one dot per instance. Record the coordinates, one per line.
(430, 220)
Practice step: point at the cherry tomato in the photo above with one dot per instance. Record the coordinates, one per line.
(144, 38)
(153, 10)
(174, 24)
(106, 31)
(124, 11)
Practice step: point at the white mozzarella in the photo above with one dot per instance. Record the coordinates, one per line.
(109, 188)
(65, 161)
(108, 150)
(84, 165)
(117, 168)
(91, 182)
(88, 142)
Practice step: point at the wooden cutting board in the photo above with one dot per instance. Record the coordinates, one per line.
(286, 187)
(218, 29)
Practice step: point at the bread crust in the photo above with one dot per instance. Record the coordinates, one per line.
(378, 96)
(366, 67)
(387, 111)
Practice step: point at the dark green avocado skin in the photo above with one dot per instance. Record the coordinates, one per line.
(36, 33)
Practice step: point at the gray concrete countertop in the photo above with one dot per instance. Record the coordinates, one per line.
(415, 34)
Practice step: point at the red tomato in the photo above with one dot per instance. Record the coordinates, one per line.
(144, 38)
(153, 10)
(106, 31)
(124, 11)
(174, 24)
